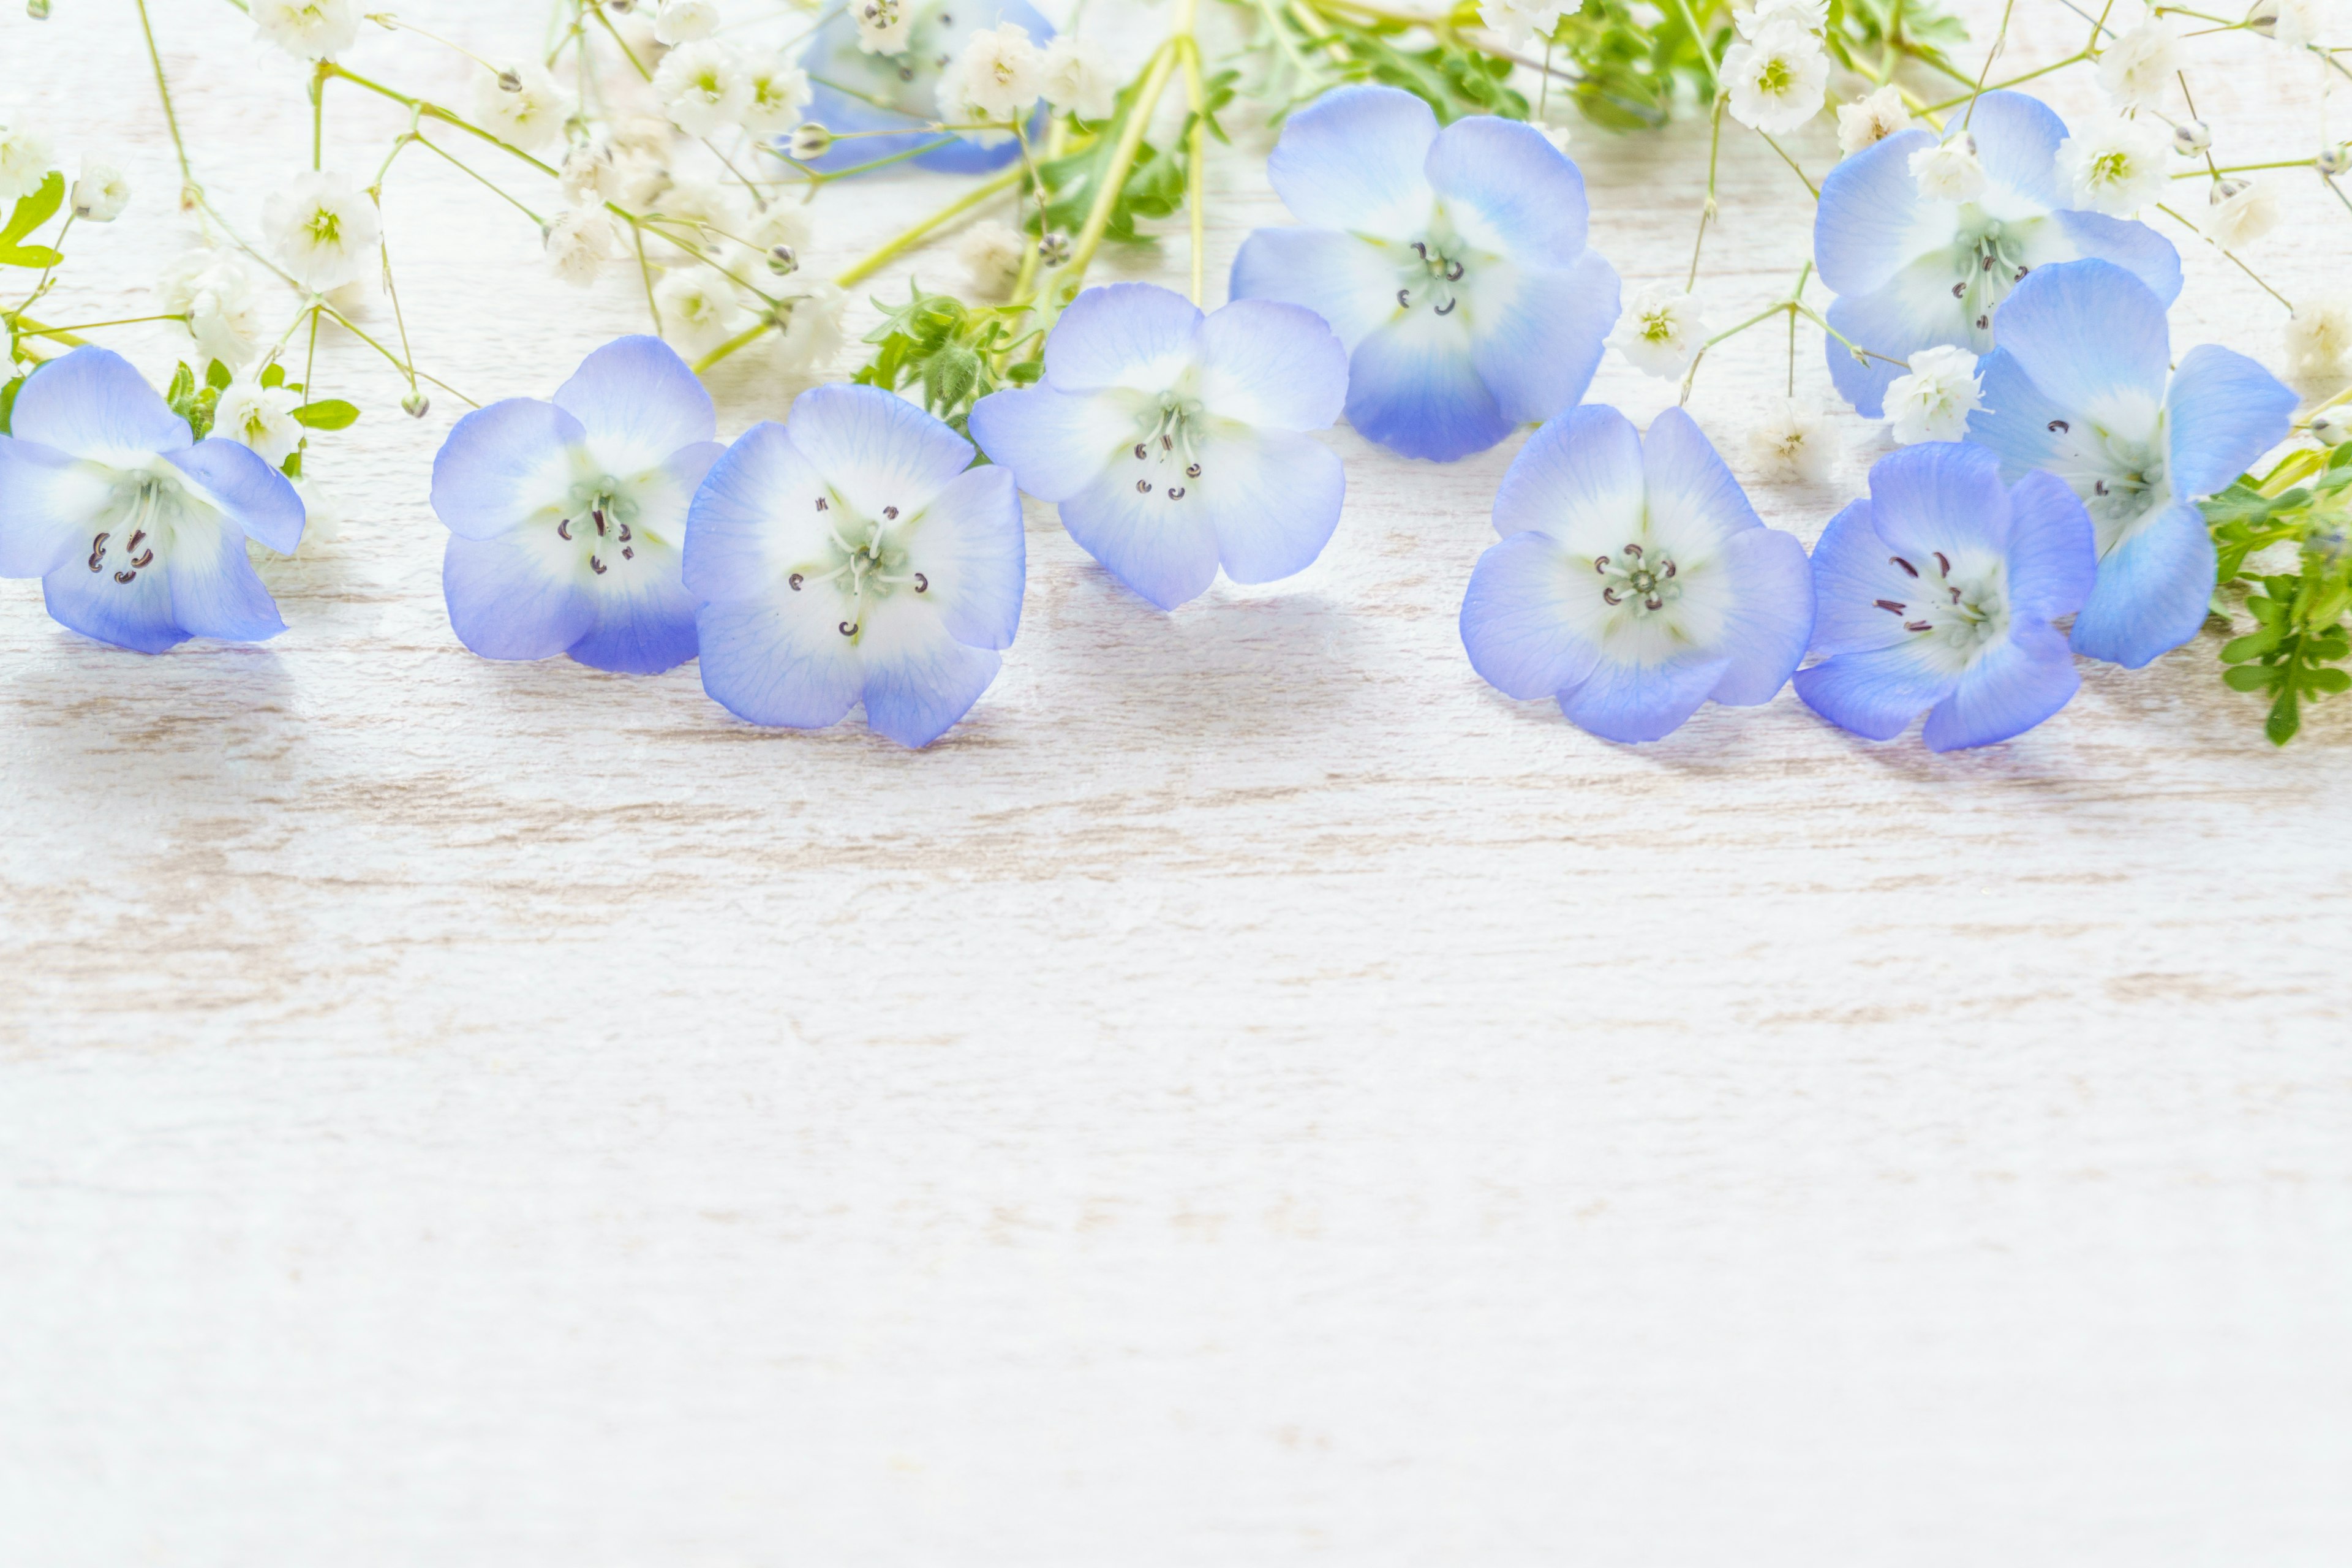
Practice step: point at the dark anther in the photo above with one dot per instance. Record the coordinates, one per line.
(628, 553)
(1454, 272)
(795, 581)
(1955, 595)
(1143, 487)
(1447, 308)
(2098, 487)
(906, 73)
(891, 512)
(1890, 607)
(1652, 603)
(821, 506)
(848, 628)
(597, 566)
(1942, 565)
(1634, 551)
(2022, 271)
(1175, 492)
(1168, 443)
(146, 558)
(1142, 451)
(1609, 596)
(1191, 470)
(1601, 565)
(94, 560)
(1405, 299)
(1918, 625)
(625, 533)
(2060, 427)
(944, 61)
(922, 583)
(563, 528)
(1959, 290)
(1670, 568)
(136, 535)
(1983, 321)
(598, 513)
(1898, 561)
(124, 576)
(1421, 250)
(1988, 263)
(97, 545)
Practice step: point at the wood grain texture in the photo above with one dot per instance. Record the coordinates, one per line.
(1251, 1094)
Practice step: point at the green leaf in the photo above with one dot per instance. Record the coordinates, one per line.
(273, 374)
(2285, 717)
(30, 213)
(2237, 650)
(2327, 680)
(2250, 678)
(217, 376)
(8, 400)
(327, 414)
(182, 390)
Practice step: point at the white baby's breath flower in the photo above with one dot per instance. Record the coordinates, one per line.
(213, 289)
(1078, 78)
(812, 330)
(2298, 22)
(323, 228)
(2319, 339)
(1557, 135)
(2239, 212)
(588, 173)
(1872, 119)
(881, 26)
(998, 76)
(1810, 14)
(638, 181)
(641, 136)
(580, 240)
(1777, 78)
(702, 86)
(1660, 331)
(308, 29)
(2137, 67)
(1795, 443)
(1934, 401)
(259, 416)
(1516, 21)
(990, 252)
(25, 162)
(531, 114)
(101, 192)
(2118, 168)
(701, 204)
(699, 307)
(683, 21)
(778, 91)
(1949, 171)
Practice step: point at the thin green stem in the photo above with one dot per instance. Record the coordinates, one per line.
(743, 338)
(171, 120)
(1122, 160)
(1951, 103)
(1810, 189)
(65, 334)
(2231, 253)
(2000, 37)
(2246, 168)
(1196, 183)
(456, 163)
(874, 260)
(1706, 208)
(1698, 39)
(434, 111)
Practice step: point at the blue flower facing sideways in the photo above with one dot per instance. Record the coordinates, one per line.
(1174, 441)
(853, 554)
(2078, 385)
(1633, 581)
(1451, 263)
(566, 517)
(136, 530)
(1937, 593)
(1913, 270)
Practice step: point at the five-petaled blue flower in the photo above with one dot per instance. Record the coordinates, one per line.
(1937, 593)
(1173, 441)
(1451, 263)
(854, 553)
(853, 89)
(1633, 581)
(2077, 385)
(1912, 271)
(136, 530)
(566, 519)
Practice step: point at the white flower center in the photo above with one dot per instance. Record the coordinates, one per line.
(2121, 479)
(1638, 584)
(1431, 275)
(1962, 611)
(138, 525)
(600, 517)
(1171, 431)
(1989, 258)
(866, 559)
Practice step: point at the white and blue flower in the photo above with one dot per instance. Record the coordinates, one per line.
(2079, 384)
(1633, 581)
(1914, 270)
(1451, 263)
(567, 518)
(1936, 595)
(136, 530)
(853, 554)
(1173, 442)
(854, 89)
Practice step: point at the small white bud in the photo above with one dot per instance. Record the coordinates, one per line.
(101, 192)
(2191, 137)
(2333, 427)
(2334, 160)
(415, 405)
(810, 139)
(783, 261)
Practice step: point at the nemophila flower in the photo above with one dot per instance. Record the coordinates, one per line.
(2137, 70)
(1633, 582)
(2319, 339)
(567, 518)
(990, 251)
(1516, 21)
(1776, 77)
(1913, 270)
(1936, 595)
(521, 105)
(1933, 399)
(1795, 443)
(683, 21)
(853, 554)
(1451, 263)
(308, 29)
(325, 229)
(136, 530)
(215, 291)
(778, 91)
(1660, 331)
(259, 416)
(25, 161)
(2078, 388)
(883, 75)
(2238, 212)
(1173, 442)
(1872, 119)
(579, 241)
(2118, 167)
(101, 192)
(1080, 79)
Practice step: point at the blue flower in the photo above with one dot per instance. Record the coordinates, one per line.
(853, 554)
(1172, 441)
(566, 519)
(1913, 270)
(1451, 263)
(136, 530)
(1633, 581)
(1937, 594)
(851, 90)
(2077, 385)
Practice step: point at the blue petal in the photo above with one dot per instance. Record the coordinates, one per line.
(1690, 491)
(1163, 548)
(1771, 620)
(2015, 421)
(502, 464)
(918, 680)
(1517, 622)
(1272, 497)
(834, 62)
(1134, 335)
(136, 615)
(754, 519)
(214, 592)
(969, 545)
(944, 153)
(779, 658)
(2016, 141)
(1852, 570)
(2152, 591)
(1874, 693)
(2226, 411)
(1356, 159)
(876, 448)
(1641, 701)
(1912, 311)
(2084, 332)
(1940, 494)
(644, 616)
(637, 402)
(2130, 244)
(1578, 476)
(1055, 443)
(1508, 190)
(2053, 551)
(1413, 386)
(2006, 692)
(1350, 281)
(91, 404)
(1537, 333)
(1862, 229)
(50, 508)
(514, 595)
(1272, 365)
(240, 482)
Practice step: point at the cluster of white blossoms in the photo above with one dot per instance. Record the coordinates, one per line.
(2298, 23)
(1932, 402)
(25, 160)
(1660, 331)
(308, 29)
(1872, 119)
(1777, 72)
(2320, 343)
(707, 86)
(2237, 212)
(261, 417)
(2117, 167)
(521, 105)
(216, 293)
(1516, 21)
(325, 229)
(2137, 67)
(1001, 75)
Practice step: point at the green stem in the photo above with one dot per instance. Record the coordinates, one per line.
(434, 111)
(1196, 182)
(874, 261)
(1999, 37)
(171, 120)
(2231, 253)
(1810, 189)
(1950, 104)
(1122, 161)
(1707, 211)
(741, 340)
(66, 334)
(430, 146)
(1698, 41)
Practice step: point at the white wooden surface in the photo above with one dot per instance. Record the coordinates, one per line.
(1251, 1094)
